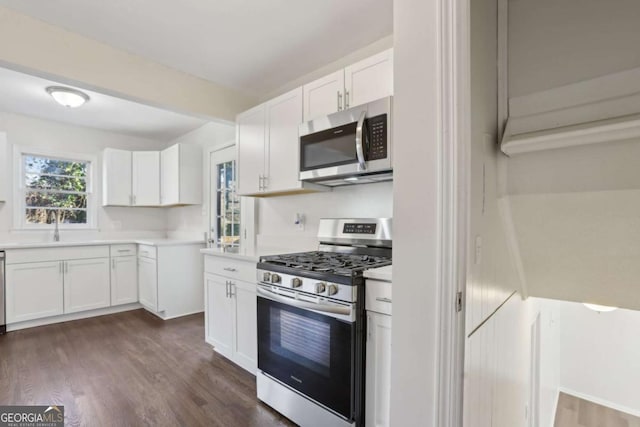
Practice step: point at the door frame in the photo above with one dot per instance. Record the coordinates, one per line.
(453, 198)
(248, 205)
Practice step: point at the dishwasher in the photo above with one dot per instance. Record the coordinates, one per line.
(3, 296)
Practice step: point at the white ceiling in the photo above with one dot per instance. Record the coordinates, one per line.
(252, 45)
(25, 94)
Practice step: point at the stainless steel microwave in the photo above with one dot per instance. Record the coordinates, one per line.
(348, 147)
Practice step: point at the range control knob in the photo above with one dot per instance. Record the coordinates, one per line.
(275, 278)
(332, 290)
(266, 277)
(296, 283)
(320, 287)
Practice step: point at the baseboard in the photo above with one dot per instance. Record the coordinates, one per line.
(599, 401)
(175, 316)
(73, 316)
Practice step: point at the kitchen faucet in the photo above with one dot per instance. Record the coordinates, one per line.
(56, 231)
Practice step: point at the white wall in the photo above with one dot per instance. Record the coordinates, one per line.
(414, 373)
(600, 356)
(276, 228)
(193, 221)
(553, 43)
(112, 221)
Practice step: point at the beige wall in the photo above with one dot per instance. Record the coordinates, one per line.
(30, 45)
(554, 43)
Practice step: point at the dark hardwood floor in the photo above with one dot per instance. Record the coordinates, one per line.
(129, 369)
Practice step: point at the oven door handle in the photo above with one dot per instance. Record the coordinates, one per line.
(360, 141)
(323, 308)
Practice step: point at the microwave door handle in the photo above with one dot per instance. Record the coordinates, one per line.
(360, 141)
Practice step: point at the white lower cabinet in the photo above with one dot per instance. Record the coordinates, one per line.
(87, 285)
(378, 377)
(231, 311)
(124, 280)
(170, 279)
(148, 283)
(34, 290)
(378, 295)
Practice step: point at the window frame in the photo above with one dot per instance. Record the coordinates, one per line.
(20, 207)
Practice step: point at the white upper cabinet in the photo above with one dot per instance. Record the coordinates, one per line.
(181, 175)
(284, 115)
(250, 136)
(146, 178)
(324, 96)
(116, 177)
(362, 82)
(268, 159)
(369, 79)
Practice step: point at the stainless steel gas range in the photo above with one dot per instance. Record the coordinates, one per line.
(311, 323)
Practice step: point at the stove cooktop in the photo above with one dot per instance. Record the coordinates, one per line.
(334, 263)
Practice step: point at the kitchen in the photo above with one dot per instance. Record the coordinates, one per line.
(196, 166)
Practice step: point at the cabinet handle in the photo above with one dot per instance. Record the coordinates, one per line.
(339, 101)
(124, 250)
(260, 182)
(66, 267)
(135, 202)
(383, 299)
(113, 263)
(226, 289)
(346, 99)
(230, 269)
(61, 268)
(265, 182)
(231, 290)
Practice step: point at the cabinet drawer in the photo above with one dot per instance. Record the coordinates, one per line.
(123, 250)
(20, 256)
(147, 251)
(231, 268)
(378, 296)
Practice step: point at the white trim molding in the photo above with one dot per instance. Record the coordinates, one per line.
(603, 131)
(454, 164)
(602, 109)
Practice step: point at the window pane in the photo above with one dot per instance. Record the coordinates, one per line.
(46, 216)
(46, 182)
(53, 166)
(55, 200)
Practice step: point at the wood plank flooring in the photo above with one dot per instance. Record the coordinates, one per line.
(129, 369)
(575, 412)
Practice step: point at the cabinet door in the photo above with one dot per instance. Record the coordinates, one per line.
(148, 283)
(250, 137)
(124, 280)
(86, 284)
(284, 115)
(324, 96)
(146, 178)
(218, 315)
(116, 177)
(245, 344)
(369, 79)
(34, 290)
(378, 375)
(170, 175)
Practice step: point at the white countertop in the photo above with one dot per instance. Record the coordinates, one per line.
(252, 256)
(381, 273)
(150, 242)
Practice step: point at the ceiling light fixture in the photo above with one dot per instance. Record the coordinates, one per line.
(599, 308)
(67, 97)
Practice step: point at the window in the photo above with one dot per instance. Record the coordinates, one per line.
(54, 189)
(228, 205)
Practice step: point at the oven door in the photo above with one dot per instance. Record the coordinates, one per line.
(310, 349)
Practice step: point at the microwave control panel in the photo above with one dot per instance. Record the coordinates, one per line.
(377, 137)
